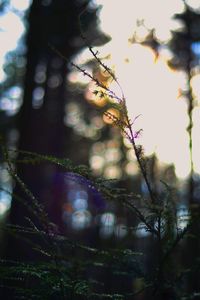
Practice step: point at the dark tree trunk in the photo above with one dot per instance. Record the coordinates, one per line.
(41, 121)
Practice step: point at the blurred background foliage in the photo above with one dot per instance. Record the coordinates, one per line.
(49, 108)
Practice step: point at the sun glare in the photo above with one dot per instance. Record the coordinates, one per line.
(151, 88)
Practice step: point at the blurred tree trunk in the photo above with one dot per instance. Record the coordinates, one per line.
(41, 125)
(183, 44)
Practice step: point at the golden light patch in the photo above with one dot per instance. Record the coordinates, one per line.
(111, 115)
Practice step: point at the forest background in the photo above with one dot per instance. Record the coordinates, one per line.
(48, 107)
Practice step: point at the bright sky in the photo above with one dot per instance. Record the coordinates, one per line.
(150, 87)
(11, 29)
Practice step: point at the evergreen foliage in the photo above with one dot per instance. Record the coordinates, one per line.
(64, 268)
